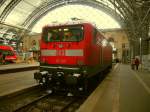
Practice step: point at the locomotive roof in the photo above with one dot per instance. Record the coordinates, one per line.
(68, 24)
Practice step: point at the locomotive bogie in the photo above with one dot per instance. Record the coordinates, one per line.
(61, 80)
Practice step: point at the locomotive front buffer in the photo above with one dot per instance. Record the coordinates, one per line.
(61, 80)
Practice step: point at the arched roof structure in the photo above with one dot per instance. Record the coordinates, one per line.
(133, 15)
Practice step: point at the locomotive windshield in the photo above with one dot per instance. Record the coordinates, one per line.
(63, 34)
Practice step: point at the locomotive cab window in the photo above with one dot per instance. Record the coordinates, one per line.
(63, 34)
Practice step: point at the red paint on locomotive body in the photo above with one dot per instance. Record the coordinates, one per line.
(86, 51)
(71, 54)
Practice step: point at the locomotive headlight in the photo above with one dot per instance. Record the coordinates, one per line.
(76, 75)
(84, 72)
(44, 79)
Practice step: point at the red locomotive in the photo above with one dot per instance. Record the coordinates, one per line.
(8, 51)
(71, 54)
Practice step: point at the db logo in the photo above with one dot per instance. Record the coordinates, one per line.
(60, 52)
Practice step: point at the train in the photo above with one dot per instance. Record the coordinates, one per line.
(71, 54)
(9, 52)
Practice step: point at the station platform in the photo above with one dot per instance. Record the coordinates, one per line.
(17, 67)
(13, 82)
(123, 90)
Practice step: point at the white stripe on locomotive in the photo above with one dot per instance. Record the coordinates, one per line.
(76, 52)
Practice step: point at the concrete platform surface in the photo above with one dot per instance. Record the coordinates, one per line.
(123, 90)
(13, 82)
(18, 65)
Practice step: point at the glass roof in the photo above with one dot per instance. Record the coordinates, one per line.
(4, 5)
(84, 13)
(29, 14)
(109, 4)
(23, 9)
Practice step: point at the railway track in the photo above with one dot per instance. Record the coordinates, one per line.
(12, 102)
(39, 100)
(53, 103)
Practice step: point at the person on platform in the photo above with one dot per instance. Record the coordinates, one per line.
(137, 62)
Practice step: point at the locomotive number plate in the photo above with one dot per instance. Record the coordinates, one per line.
(60, 52)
